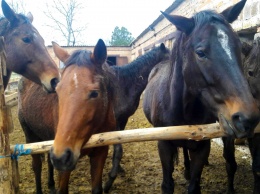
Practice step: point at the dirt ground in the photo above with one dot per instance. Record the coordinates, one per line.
(143, 172)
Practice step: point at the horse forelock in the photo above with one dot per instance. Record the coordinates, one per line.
(206, 17)
(80, 58)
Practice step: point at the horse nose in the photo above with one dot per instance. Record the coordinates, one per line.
(64, 162)
(54, 82)
(245, 124)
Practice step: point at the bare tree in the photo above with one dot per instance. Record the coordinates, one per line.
(64, 16)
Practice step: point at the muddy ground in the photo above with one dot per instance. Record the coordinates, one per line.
(143, 172)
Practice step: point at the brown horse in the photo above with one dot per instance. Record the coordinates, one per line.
(251, 67)
(25, 50)
(82, 106)
(203, 83)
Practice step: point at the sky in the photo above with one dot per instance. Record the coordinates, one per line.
(101, 17)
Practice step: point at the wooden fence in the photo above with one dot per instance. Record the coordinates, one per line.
(8, 184)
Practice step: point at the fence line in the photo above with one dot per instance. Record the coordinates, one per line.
(189, 132)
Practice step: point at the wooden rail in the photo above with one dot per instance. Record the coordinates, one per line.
(8, 178)
(11, 97)
(189, 132)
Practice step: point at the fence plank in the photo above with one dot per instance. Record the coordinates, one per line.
(6, 179)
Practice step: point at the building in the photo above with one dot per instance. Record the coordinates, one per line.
(162, 31)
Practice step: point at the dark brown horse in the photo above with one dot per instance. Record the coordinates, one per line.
(203, 83)
(251, 66)
(25, 50)
(82, 106)
(131, 80)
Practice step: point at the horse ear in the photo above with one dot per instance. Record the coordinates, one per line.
(30, 16)
(246, 48)
(231, 13)
(100, 53)
(8, 12)
(183, 24)
(61, 53)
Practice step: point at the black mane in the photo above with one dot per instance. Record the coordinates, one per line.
(207, 16)
(132, 69)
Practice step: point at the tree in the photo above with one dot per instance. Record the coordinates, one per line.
(63, 15)
(121, 37)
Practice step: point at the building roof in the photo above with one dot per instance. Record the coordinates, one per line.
(172, 7)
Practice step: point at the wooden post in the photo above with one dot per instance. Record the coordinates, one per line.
(6, 179)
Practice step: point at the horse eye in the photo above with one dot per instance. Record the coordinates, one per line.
(201, 54)
(93, 94)
(250, 73)
(26, 40)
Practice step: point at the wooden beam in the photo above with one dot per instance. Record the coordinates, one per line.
(190, 132)
(6, 179)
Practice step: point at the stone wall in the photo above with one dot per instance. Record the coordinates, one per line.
(162, 31)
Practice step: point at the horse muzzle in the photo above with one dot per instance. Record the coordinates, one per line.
(65, 162)
(50, 85)
(239, 126)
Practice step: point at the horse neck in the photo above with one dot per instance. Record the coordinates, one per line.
(137, 72)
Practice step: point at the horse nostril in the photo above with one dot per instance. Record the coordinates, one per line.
(237, 120)
(67, 157)
(54, 83)
(63, 162)
(243, 123)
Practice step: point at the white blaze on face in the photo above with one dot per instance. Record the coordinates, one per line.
(75, 78)
(223, 40)
(35, 35)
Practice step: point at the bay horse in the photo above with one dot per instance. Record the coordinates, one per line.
(131, 81)
(26, 53)
(251, 67)
(82, 106)
(203, 83)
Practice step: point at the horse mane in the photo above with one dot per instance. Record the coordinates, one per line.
(253, 58)
(5, 25)
(131, 70)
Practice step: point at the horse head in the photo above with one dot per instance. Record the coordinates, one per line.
(212, 68)
(251, 65)
(85, 103)
(25, 49)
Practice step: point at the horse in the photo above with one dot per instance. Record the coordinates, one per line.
(81, 106)
(131, 80)
(251, 68)
(26, 53)
(203, 83)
